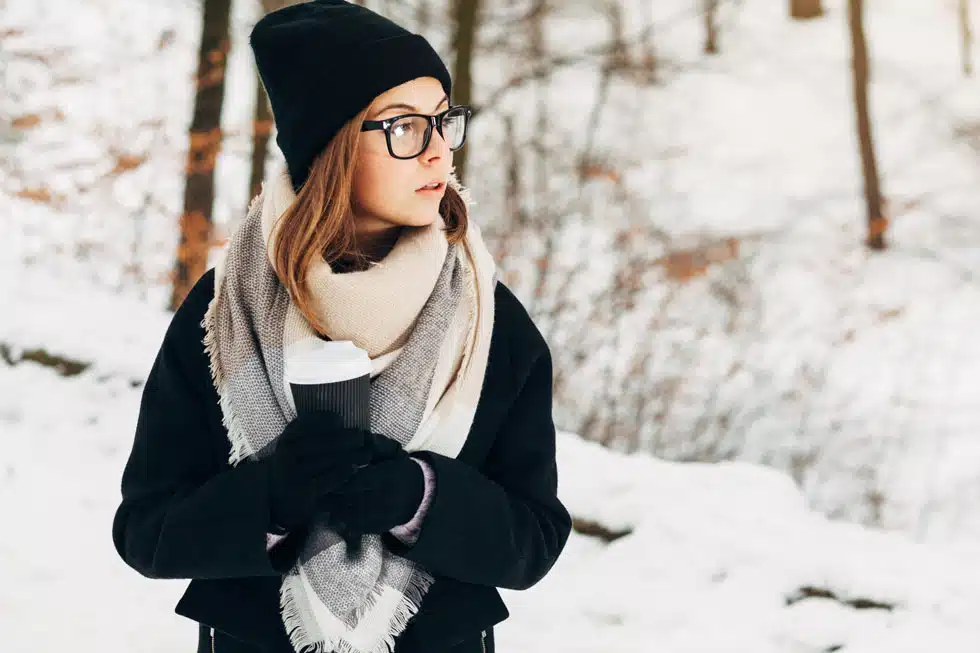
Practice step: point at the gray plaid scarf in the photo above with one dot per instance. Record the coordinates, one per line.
(424, 398)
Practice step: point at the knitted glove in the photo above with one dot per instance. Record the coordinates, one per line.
(377, 498)
(314, 456)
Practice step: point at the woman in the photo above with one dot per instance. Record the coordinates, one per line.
(298, 532)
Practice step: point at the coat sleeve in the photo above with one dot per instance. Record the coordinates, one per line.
(503, 526)
(184, 512)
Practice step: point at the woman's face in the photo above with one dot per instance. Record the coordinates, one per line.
(386, 189)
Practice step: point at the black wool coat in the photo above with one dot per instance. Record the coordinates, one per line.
(495, 520)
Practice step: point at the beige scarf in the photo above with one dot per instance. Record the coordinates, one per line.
(376, 309)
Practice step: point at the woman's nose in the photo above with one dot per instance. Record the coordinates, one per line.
(437, 147)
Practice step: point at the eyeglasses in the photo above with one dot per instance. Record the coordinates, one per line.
(408, 135)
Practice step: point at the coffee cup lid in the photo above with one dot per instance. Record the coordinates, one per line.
(325, 361)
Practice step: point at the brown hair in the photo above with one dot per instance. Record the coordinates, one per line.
(320, 223)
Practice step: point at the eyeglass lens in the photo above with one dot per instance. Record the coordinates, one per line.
(407, 135)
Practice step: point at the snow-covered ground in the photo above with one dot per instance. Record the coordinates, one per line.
(718, 557)
(859, 373)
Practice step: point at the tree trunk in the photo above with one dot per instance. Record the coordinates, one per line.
(877, 223)
(649, 44)
(261, 130)
(711, 26)
(513, 190)
(619, 56)
(537, 43)
(966, 38)
(465, 16)
(205, 144)
(805, 9)
(423, 17)
(616, 59)
(262, 120)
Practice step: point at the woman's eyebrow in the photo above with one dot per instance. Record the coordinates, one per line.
(409, 107)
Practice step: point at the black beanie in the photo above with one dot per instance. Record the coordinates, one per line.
(323, 61)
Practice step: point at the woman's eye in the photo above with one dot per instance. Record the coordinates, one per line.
(402, 129)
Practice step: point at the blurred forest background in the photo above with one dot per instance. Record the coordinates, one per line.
(749, 229)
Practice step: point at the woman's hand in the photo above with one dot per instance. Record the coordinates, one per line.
(377, 497)
(314, 456)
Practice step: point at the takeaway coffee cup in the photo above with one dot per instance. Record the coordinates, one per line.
(331, 375)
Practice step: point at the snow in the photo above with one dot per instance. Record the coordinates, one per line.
(714, 554)
(725, 547)
(843, 384)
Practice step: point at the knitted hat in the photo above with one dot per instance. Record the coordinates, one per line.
(323, 61)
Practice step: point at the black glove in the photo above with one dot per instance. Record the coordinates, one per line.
(314, 456)
(385, 448)
(377, 498)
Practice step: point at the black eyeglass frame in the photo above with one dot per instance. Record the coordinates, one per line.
(433, 121)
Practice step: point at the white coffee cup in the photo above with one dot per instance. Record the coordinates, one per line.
(330, 375)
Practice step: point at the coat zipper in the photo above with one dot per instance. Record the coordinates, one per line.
(212, 640)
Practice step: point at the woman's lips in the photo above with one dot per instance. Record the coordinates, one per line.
(433, 190)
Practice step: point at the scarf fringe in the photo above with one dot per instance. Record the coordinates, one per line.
(296, 616)
(240, 448)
